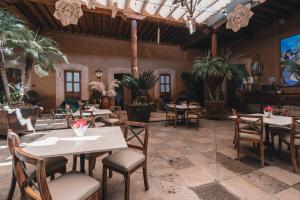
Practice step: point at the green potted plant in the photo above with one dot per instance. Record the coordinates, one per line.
(140, 86)
(213, 71)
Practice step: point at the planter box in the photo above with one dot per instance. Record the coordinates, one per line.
(139, 113)
(214, 109)
(10, 121)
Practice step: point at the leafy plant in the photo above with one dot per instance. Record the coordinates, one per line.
(39, 52)
(214, 70)
(140, 86)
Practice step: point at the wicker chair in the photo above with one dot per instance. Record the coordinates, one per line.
(193, 113)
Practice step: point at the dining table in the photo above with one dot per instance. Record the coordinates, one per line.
(104, 113)
(272, 120)
(64, 142)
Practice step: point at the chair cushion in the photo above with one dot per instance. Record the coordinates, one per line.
(124, 160)
(112, 120)
(249, 136)
(286, 137)
(73, 186)
(99, 124)
(192, 116)
(279, 130)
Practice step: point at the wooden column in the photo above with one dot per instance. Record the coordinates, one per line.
(214, 45)
(134, 66)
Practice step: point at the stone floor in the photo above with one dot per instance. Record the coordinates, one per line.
(187, 164)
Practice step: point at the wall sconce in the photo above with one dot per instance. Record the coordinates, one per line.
(98, 73)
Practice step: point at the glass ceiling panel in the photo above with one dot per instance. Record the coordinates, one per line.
(136, 5)
(166, 9)
(207, 11)
(178, 13)
(121, 3)
(216, 7)
(102, 2)
(152, 6)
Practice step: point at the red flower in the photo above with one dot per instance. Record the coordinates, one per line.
(79, 123)
(268, 109)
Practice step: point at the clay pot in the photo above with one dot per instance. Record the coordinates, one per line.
(105, 102)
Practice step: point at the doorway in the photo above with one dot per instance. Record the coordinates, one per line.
(121, 91)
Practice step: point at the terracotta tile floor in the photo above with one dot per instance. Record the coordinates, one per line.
(187, 164)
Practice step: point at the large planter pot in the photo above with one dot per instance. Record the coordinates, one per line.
(139, 113)
(10, 120)
(105, 102)
(214, 109)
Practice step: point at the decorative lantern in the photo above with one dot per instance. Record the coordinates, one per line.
(239, 17)
(68, 11)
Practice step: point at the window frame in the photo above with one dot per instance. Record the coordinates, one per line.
(165, 94)
(72, 94)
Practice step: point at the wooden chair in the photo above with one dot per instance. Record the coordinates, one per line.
(67, 186)
(52, 165)
(292, 139)
(128, 161)
(193, 113)
(250, 129)
(171, 114)
(115, 117)
(277, 130)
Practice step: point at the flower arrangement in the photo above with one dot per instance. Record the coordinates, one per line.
(268, 111)
(100, 87)
(80, 126)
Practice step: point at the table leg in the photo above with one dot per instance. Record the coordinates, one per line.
(82, 162)
(267, 142)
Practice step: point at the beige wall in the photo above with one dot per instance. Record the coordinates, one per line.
(266, 43)
(106, 54)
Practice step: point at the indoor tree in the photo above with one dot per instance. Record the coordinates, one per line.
(39, 52)
(213, 71)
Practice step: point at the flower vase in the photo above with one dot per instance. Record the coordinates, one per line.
(80, 131)
(267, 114)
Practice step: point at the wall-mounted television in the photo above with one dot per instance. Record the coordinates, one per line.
(289, 50)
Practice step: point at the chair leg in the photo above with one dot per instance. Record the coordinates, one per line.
(74, 163)
(92, 163)
(127, 186)
(273, 142)
(175, 121)
(238, 149)
(110, 173)
(12, 187)
(279, 146)
(262, 154)
(294, 158)
(104, 182)
(145, 178)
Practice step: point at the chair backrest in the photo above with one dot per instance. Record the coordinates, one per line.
(89, 116)
(172, 107)
(281, 111)
(31, 189)
(295, 129)
(193, 109)
(254, 124)
(135, 130)
(116, 110)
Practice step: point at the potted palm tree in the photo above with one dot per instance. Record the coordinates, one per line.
(213, 71)
(140, 86)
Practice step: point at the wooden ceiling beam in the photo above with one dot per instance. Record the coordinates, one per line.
(107, 11)
(30, 18)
